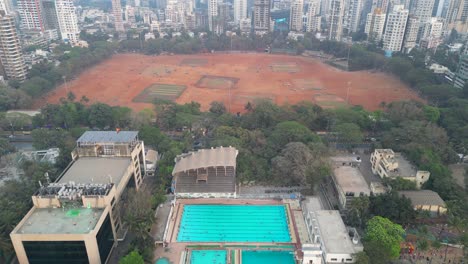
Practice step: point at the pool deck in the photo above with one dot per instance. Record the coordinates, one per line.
(174, 249)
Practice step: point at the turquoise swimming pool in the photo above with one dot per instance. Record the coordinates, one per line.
(208, 257)
(267, 257)
(234, 223)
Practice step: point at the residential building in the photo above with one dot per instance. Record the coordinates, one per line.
(431, 33)
(296, 13)
(30, 12)
(78, 217)
(67, 20)
(395, 29)
(461, 77)
(352, 15)
(50, 14)
(240, 10)
(329, 236)
(457, 16)
(6, 5)
(117, 11)
(245, 26)
(411, 34)
(314, 19)
(426, 200)
(422, 9)
(335, 19)
(212, 14)
(261, 16)
(386, 163)
(206, 173)
(375, 24)
(11, 55)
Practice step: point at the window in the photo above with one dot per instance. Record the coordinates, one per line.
(105, 239)
(56, 252)
(334, 259)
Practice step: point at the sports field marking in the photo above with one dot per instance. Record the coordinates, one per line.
(216, 82)
(159, 91)
(284, 67)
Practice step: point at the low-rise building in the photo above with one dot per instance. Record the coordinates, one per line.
(77, 217)
(349, 183)
(426, 200)
(387, 163)
(329, 236)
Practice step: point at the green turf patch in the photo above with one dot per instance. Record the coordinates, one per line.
(194, 62)
(284, 67)
(159, 91)
(216, 82)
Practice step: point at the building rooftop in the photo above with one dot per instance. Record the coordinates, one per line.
(96, 170)
(334, 233)
(350, 179)
(61, 221)
(205, 158)
(108, 137)
(405, 168)
(423, 197)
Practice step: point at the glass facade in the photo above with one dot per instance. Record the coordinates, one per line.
(55, 252)
(105, 239)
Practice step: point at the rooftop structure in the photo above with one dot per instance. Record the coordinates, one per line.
(79, 208)
(426, 200)
(108, 136)
(337, 243)
(63, 221)
(206, 172)
(96, 170)
(387, 163)
(349, 183)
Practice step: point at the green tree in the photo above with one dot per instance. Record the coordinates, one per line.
(349, 133)
(291, 131)
(5, 147)
(393, 207)
(100, 115)
(381, 232)
(217, 108)
(361, 258)
(132, 258)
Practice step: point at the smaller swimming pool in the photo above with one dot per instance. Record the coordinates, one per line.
(208, 257)
(162, 261)
(267, 257)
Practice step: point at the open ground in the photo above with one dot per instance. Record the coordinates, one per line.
(234, 79)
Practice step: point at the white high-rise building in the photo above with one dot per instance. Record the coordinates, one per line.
(422, 9)
(375, 25)
(261, 16)
(6, 5)
(296, 13)
(31, 14)
(212, 14)
(395, 28)
(352, 15)
(313, 16)
(411, 35)
(335, 19)
(431, 33)
(240, 10)
(117, 11)
(457, 16)
(67, 20)
(11, 54)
